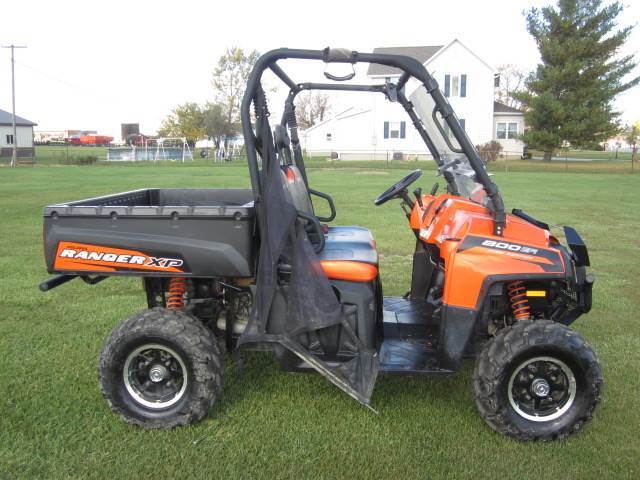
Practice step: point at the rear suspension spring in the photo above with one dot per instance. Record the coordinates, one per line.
(177, 289)
(519, 301)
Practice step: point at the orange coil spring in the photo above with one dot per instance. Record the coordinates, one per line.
(519, 301)
(177, 289)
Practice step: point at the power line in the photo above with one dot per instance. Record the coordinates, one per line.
(89, 91)
(14, 154)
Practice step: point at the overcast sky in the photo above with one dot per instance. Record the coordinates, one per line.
(94, 65)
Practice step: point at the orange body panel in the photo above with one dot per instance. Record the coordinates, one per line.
(349, 271)
(463, 232)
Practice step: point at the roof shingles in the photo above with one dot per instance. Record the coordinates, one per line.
(502, 108)
(6, 119)
(422, 54)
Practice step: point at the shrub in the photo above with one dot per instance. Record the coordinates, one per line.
(80, 160)
(398, 156)
(489, 151)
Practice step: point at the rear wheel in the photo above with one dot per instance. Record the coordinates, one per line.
(537, 380)
(160, 369)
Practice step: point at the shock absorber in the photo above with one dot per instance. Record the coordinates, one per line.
(177, 289)
(519, 301)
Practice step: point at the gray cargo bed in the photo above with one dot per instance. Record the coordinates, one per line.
(186, 232)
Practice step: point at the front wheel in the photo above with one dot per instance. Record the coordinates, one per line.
(537, 380)
(160, 369)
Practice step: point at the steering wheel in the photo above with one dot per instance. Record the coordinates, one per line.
(398, 188)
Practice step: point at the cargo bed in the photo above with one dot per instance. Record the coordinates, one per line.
(153, 232)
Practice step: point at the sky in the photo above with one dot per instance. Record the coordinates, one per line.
(95, 65)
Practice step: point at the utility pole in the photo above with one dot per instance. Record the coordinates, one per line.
(14, 154)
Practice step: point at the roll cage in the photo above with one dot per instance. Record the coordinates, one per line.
(410, 68)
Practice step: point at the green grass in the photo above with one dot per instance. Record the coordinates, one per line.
(60, 154)
(588, 154)
(270, 424)
(54, 155)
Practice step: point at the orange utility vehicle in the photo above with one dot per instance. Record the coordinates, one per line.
(260, 269)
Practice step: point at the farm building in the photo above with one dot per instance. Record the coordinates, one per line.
(382, 129)
(24, 133)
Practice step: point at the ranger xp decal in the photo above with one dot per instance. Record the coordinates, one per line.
(74, 256)
(549, 260)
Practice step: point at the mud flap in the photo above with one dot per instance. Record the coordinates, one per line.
(455, 332)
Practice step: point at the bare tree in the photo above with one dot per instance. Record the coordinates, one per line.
(511, 80)
(312, 108)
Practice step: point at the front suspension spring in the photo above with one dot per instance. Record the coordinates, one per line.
(519, 301)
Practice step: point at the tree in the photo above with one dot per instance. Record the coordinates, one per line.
(184, 121)
(632, 136)
(229, 80)
(215, 123)
(311, 108)
(569, 98)
(512, 81)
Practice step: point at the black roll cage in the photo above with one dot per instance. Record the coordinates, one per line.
(409, 66)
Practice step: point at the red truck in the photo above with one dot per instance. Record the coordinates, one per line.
(95, 140)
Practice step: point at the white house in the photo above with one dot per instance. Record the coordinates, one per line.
(24, 134)
(508, 124)
(382, 130)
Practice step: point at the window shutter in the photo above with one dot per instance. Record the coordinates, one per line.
(386, 129)
(403, 129)
(463, 85)
(447, 85)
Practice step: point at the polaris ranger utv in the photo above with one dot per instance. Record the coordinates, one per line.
(259, 269)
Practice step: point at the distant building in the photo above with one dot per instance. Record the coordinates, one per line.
(129, 130)
(508, 125)
(42, 137)
(24, 134)
(382, 130)
(618, 143)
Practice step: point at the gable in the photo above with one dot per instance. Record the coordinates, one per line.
(422, 54)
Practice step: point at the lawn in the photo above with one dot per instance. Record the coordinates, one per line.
(269, 424)
(588, 154)
(599, 162)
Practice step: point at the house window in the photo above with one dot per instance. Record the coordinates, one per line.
(395, 129)
(455, 85)
(9, 139)
(506, 131)
(328, 137)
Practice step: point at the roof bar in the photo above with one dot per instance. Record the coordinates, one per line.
(283, 76)
(402, 81)
(343, 87)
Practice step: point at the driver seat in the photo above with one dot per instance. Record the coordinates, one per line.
(349, 253)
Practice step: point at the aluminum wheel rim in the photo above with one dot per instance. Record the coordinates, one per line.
(155, 376)
(559, 379)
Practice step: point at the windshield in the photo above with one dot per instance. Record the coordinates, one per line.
(452, 159)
